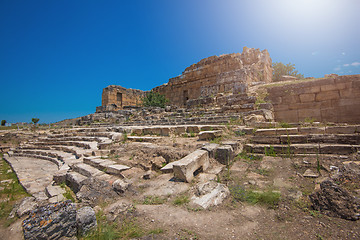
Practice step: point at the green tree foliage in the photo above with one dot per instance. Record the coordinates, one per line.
(3, 122)
(154, 99)
(35, 120)
(281, 69)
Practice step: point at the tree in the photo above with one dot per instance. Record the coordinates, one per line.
(280, 70)
(3, 122)
(154, 99)
(35, 120)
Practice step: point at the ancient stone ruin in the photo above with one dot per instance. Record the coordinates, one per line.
(228, 139)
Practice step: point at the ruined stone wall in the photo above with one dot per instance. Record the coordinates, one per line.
(116, 98)
(331, 99)
(229, 73)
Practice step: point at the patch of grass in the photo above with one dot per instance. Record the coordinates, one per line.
(105, 230)
(11, 193)
(156, 231)
(181, 200)
(268, 198)
(153, 200)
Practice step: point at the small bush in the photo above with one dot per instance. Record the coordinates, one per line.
(154, 99)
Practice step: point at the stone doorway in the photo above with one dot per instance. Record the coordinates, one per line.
(185, 96)
(119, 99)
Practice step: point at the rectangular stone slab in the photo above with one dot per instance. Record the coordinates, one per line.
(116, 169)
(184, 168)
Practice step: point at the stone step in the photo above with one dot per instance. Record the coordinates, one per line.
(310, 138)
(351, 129)
(86, 170)
(58, 162)
(107, 166)
(66, 143)
(302, 148)
(143, 138)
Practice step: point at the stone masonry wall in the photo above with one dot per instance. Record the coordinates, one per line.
(229, 73)
(116, 98)
(332, 99)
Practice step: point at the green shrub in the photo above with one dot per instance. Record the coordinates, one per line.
(154, 99)
(153, 200)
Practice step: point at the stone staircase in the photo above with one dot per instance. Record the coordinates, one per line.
(333, 140)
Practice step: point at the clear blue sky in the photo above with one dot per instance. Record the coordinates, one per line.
(57, 56)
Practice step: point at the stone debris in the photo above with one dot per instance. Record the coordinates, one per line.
(85, 220)
(335, 201)
(53, 221)
(120, 185)
(209, 194)
(310, 174)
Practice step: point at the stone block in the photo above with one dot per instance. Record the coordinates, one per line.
(286, 131)
(307, 97)
(208, 135)
(323, 96)
(210, 148)
(236, 146)
(192, 129)
(185, 168)
(224, 154)
(75, 180)
(309, 113)
(311, 130)
(265, 132)
(287, 116)
(52, 191)
(178, 130)
(340, 129)
(116, 169)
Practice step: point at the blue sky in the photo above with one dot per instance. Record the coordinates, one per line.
(57, 56)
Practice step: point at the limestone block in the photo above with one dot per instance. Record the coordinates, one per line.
(341, 129)
(27, 205)
(52, 191)
(194, 129)
(185, 168)
(210, 148)
(307, 97)
(322, 96)
(265, 132)
(85, 220)
(224, 154)
(75, 180)
(208, 135)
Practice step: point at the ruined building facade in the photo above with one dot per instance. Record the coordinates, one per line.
(229, 73)
(115, 98)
